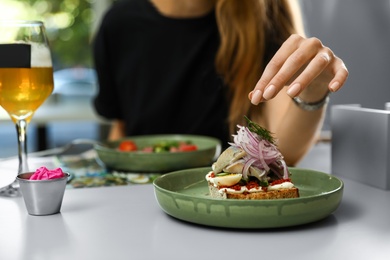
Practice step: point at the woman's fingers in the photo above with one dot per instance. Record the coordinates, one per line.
(341, 76)
(315, 67)
(299, 61)
(276, 73)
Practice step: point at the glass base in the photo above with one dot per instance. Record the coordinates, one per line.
(11, 190)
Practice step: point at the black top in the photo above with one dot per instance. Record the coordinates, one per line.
(158, 73)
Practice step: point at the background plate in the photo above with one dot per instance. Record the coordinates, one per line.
(138, 161)
(184, 195)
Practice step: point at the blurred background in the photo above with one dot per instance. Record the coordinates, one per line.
(70, 26)
(356, 30)
(359, 32)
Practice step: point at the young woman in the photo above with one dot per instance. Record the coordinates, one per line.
(189, 67)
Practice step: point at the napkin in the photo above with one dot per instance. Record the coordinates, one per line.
(42, 173)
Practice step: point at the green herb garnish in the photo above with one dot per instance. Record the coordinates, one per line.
(263, 183)
(261, 131)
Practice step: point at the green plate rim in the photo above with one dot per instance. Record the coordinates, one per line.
(257, 203)
(167, 175)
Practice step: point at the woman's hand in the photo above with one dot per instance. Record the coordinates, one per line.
(306, 66)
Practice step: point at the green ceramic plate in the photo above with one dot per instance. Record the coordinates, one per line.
(184, 195)
(139, 161)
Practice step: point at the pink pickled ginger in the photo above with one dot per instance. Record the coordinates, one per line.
(42, 173)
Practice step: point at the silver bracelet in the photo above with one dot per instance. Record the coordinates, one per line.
(311, 106)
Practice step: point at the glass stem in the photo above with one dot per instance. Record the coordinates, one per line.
(21, 129)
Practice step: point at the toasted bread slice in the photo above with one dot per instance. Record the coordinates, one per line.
(261, 195)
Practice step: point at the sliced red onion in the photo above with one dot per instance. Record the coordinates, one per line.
(247, 165)
(285, 169)
(260, 152)
(261, 157)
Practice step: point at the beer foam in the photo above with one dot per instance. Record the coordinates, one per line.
(40, 56)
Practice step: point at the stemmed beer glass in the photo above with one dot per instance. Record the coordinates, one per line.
(26, 80)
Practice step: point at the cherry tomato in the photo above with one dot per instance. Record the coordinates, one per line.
(187, 147)
(127, 146)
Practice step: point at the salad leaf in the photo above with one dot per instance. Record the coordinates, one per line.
(261, 131)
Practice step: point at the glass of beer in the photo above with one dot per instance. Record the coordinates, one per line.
(26, 80)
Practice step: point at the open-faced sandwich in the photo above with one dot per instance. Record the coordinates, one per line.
(251, 168)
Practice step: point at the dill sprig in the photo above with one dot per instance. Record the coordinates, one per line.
(261, 131)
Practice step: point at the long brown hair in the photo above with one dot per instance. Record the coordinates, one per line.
(249, 31)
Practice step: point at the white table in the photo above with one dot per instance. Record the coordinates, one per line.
(127, 223)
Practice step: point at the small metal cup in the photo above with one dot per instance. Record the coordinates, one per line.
(42, 197)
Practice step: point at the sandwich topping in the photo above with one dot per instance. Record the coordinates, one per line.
(252, 163)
